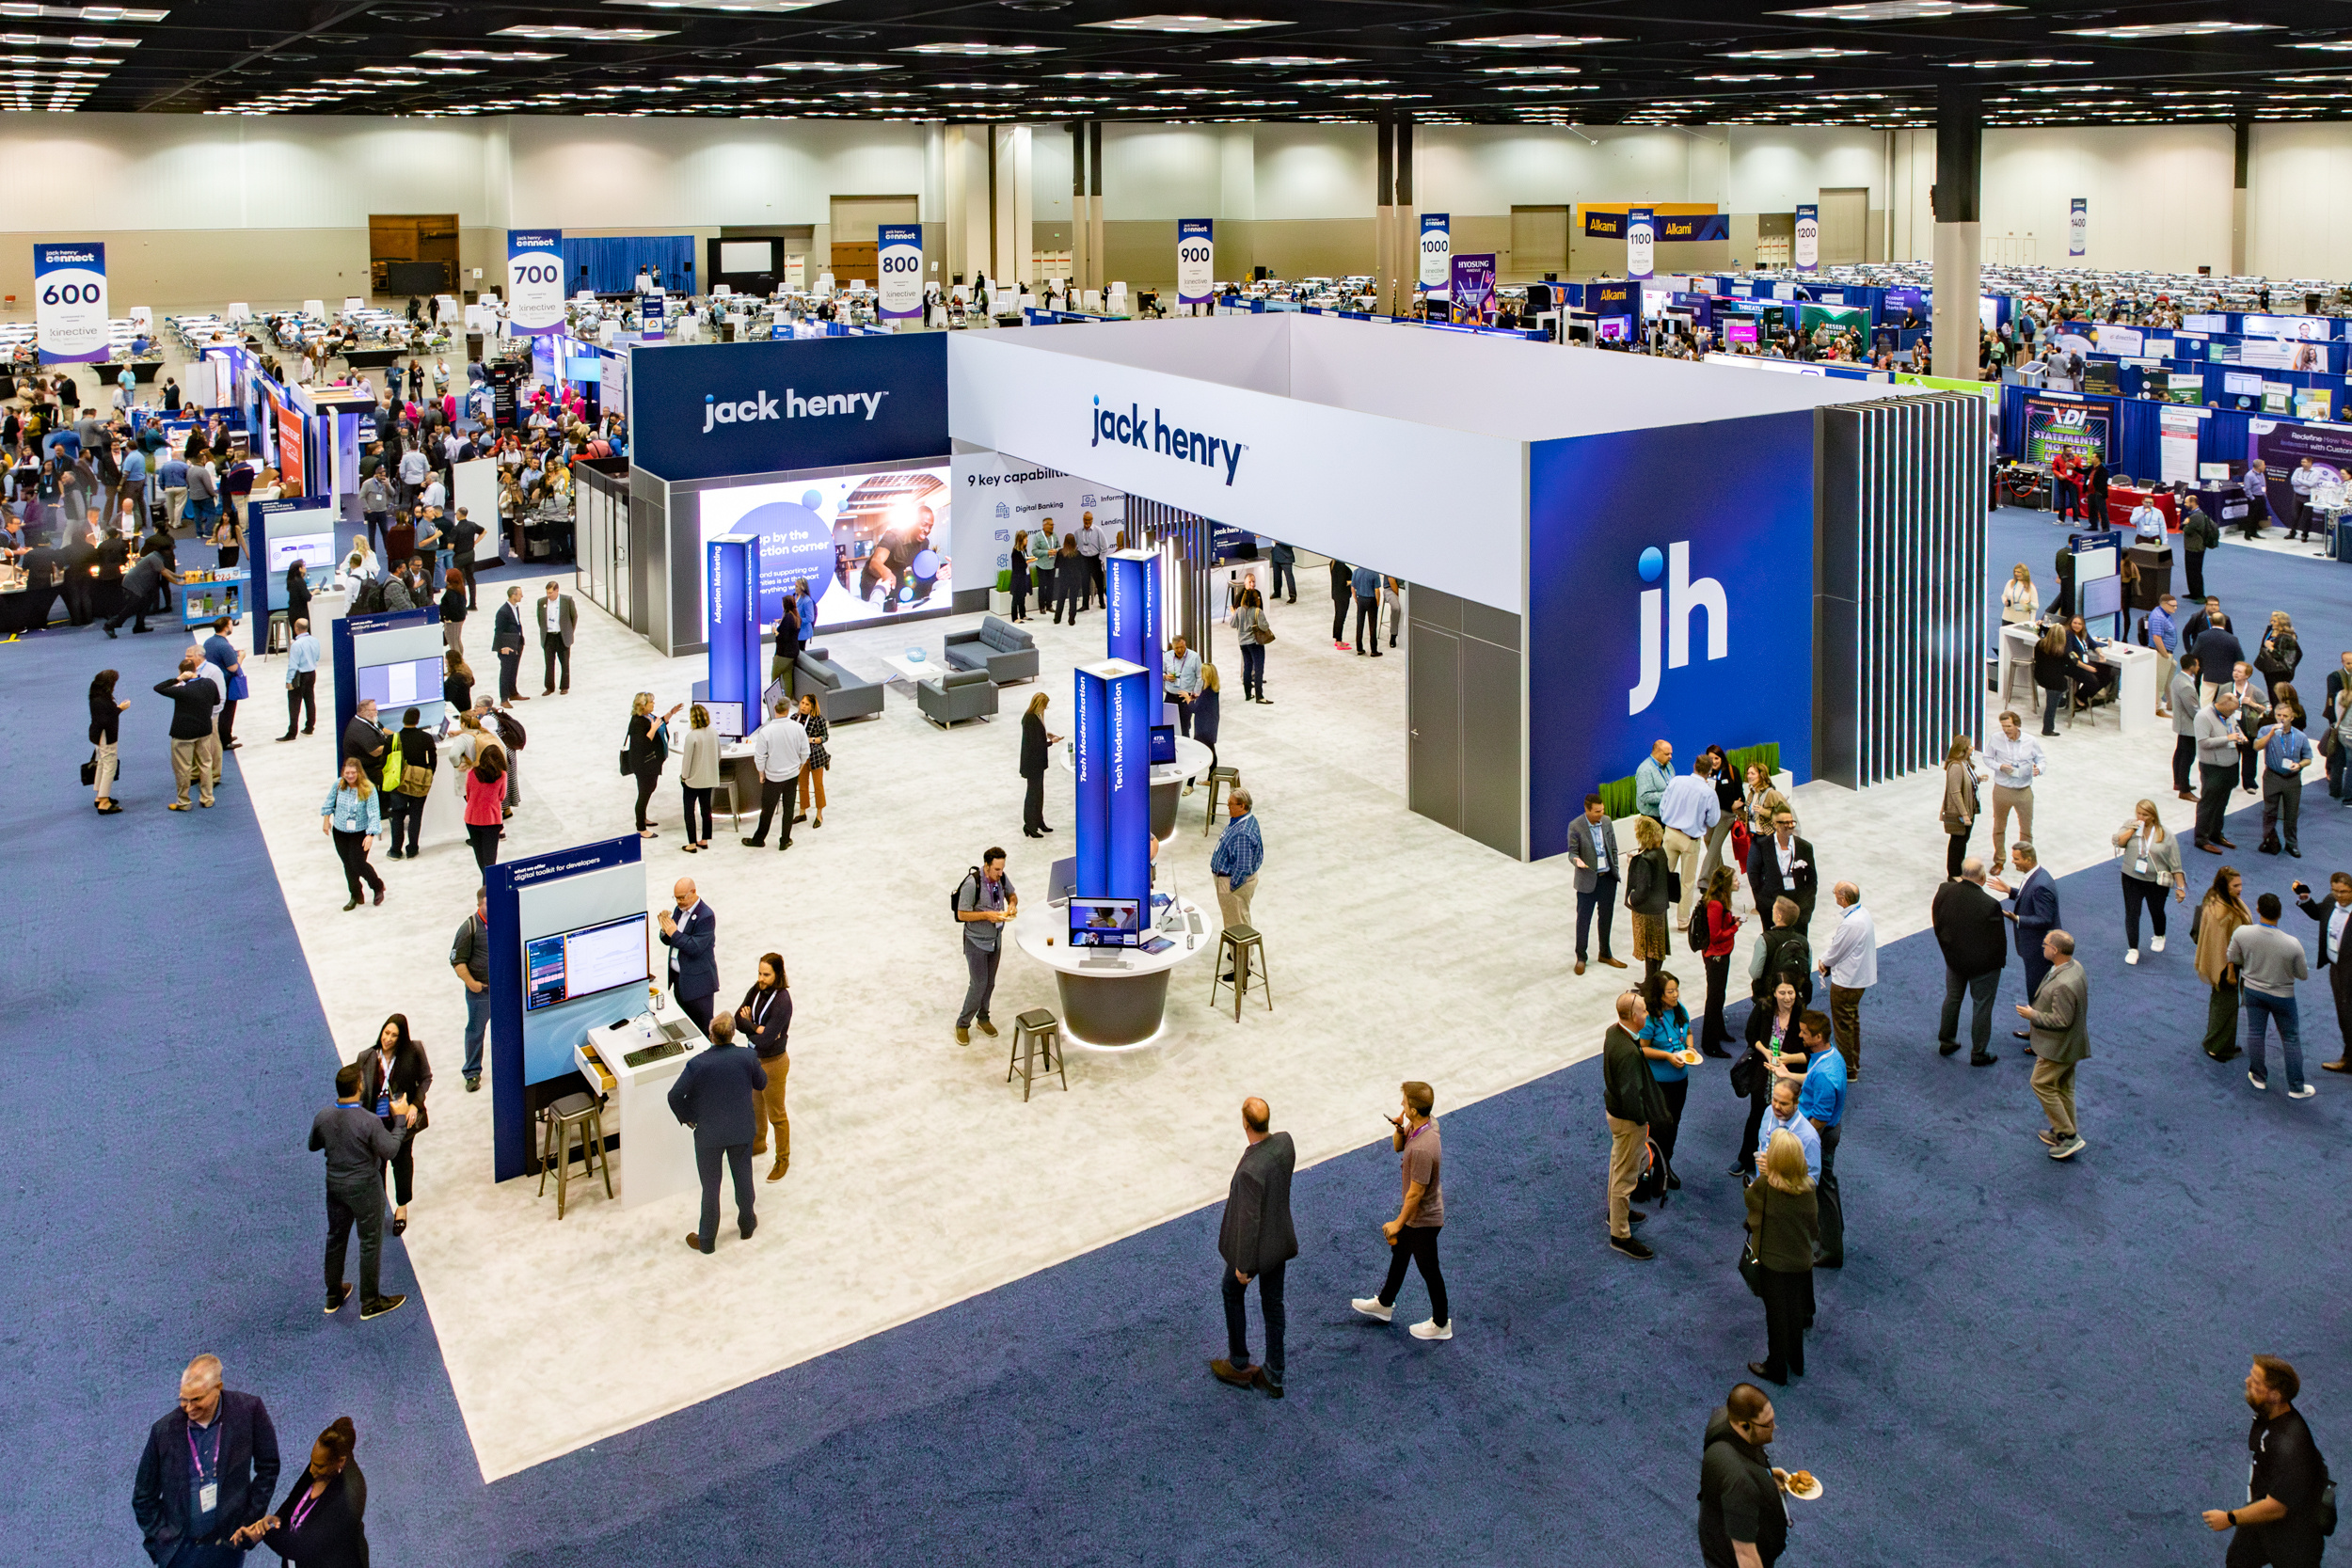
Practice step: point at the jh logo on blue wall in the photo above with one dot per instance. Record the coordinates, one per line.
(1673, 605)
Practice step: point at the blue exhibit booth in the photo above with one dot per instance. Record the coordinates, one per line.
(1579, 585)
(395, 658)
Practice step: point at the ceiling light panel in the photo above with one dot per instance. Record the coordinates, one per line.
(1893, 11)
(564, 33)
(1184, 23)
(757, 7)
(1286, 61)
(1807, 52)
(976, 50)
(1528, 41)
(2167, 30)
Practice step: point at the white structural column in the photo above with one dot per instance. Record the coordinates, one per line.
(1959, 232)
(2245, 128)
(966, 219)
(1011, 206)
(1081, 234)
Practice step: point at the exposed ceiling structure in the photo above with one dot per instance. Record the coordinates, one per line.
(1880, 63)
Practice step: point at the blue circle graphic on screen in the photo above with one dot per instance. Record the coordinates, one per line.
(1652, 563)
(812, 498)
(801, 546)
(926, 563)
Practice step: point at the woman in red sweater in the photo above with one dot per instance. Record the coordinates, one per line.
(1723, 932)
(485, 804)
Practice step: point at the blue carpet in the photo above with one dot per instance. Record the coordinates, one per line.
(2023, 1361)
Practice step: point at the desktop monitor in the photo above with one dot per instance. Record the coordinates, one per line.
(568, 965)
(1106, 922)
(726, 718)
(1163, 745)
(404, 684)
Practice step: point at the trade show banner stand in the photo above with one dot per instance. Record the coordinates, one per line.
(1112, 764)
(70, 324)
(562, 964)
(394, 658)
(1132, 612)
(277, 534)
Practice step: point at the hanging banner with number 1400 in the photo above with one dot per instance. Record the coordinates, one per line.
(70, 303)
(534, 281)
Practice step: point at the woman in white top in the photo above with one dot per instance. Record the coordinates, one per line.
(699, 775)
(2020, 604)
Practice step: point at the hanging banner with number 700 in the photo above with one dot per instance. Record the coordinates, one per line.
(70, 303)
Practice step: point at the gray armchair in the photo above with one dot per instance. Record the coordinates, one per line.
(1004, 650)
(841, 695)
(961, 694)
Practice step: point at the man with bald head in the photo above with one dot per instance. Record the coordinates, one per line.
(210, 1469)
(1627, 1098)
(1257, 1242)
(691, 932)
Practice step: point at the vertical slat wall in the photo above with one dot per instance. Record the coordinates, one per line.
(1155, 525)
(1901, 629)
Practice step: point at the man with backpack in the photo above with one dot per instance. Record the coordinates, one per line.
(984, 902)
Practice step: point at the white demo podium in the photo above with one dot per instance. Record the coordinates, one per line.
(656, 1149)
(2135, 684)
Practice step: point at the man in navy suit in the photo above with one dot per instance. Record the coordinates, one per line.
(718, 1097)
(2033, 912)
(2335, 922)
(210, 1470)
(691, 935)
(1780, 865)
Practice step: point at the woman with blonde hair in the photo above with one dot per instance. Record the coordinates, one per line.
(2152, 858)
(1785, 1224)
(2279, 653)
(1646, 895)
(2219, 916)
(646, 748)
(2021, 602)
(1035, 754)
(1960, 802)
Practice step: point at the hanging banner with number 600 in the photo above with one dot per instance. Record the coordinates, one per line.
(1196, 261)
(534, 281)
(899, 258)
(70, 303)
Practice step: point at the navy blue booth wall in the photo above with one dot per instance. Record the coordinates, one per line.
(705, 412)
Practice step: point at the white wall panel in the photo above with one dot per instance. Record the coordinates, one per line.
(1161, 171)
(1491, 168)
(2159, 195)
(689, 174)
(1775, 167)
(2298, 225)
(1316, 171)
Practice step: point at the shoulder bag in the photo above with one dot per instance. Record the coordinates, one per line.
(1742, 1074)
(1751, 1260)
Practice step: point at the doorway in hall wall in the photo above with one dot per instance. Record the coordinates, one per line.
(412, 253)
(1539, 243)
(856, 220)
(1845, 225)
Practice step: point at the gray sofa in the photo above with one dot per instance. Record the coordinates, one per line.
(957, 695)
(1004, 650)
(841, 695)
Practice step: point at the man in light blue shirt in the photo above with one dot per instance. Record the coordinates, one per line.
(2165, 637)
(2016, 759)
(1783, 1117)
(1180, 681)
(2147, 522)
(2286, 753)
(1821, 1101)
(1651, 779)
(1688, 811)
(302, 680)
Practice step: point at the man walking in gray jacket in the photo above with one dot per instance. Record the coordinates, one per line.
(2184, 706)
(1257, 1242)
(2217, 771)
(2060, 1022)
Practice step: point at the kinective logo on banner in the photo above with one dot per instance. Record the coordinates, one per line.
(1680, 596)
(1132, 429)
(817, 406)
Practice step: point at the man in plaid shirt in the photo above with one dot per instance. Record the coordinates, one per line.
(1235, 862)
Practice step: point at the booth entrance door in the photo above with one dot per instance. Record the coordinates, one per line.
(1434, 717)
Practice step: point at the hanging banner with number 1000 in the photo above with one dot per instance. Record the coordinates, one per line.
(534, 281)
(70, 303)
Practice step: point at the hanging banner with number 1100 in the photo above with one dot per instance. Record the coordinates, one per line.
(70, 303)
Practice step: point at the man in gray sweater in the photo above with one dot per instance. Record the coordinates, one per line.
(357, 1143)
(2059, 1018)
(2268, 962)
(2184, 706)
(2217, 771)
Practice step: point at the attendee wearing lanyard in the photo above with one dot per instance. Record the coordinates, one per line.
(2335, 922)
(231, 1457)
(2016, 759)
(764, 1022)
(2152, 858)
(2286, 752)
(322, 1522)
(1821, 1101)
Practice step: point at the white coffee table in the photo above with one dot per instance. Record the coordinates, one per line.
(914, 672)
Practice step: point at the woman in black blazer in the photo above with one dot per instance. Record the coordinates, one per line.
(106, 731)
(322, 1522)
(1017, 580)
(764, 1022)
(453, 612)
(1036, 752)
(1772, 1034)
(649, 748)
(395, 1071)
(297, 597)
(1069, 579)
(2050, 670)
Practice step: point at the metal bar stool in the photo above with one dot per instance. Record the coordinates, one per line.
(1220, 778)
(584, 1114)
(1034, 1033)
(1234, 951)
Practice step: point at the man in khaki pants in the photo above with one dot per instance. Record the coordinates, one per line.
(1626, 1089)
(1235, 861)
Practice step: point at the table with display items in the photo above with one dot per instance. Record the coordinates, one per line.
(641, 1058)
(1113, 996)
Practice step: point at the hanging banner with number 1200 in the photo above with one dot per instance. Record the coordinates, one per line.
(70, 303)
(534, 281)
(899, 258)
(1196, 261)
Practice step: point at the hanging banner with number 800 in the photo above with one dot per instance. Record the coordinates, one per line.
(70, 303)
(534, 281)
(898, 262)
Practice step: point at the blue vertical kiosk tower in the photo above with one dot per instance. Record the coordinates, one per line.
(732, 564)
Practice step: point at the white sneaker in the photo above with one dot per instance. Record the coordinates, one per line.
(1370, 1306)
(2131, 957)
(2304, 1093)
(2156, 947)
(2258, 1083)
(1430, 1329)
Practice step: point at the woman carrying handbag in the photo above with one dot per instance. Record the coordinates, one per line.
(1960, 803)
(1785, 1224)
(1253, 631)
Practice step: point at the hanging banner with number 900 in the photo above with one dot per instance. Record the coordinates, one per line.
(70, 303)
